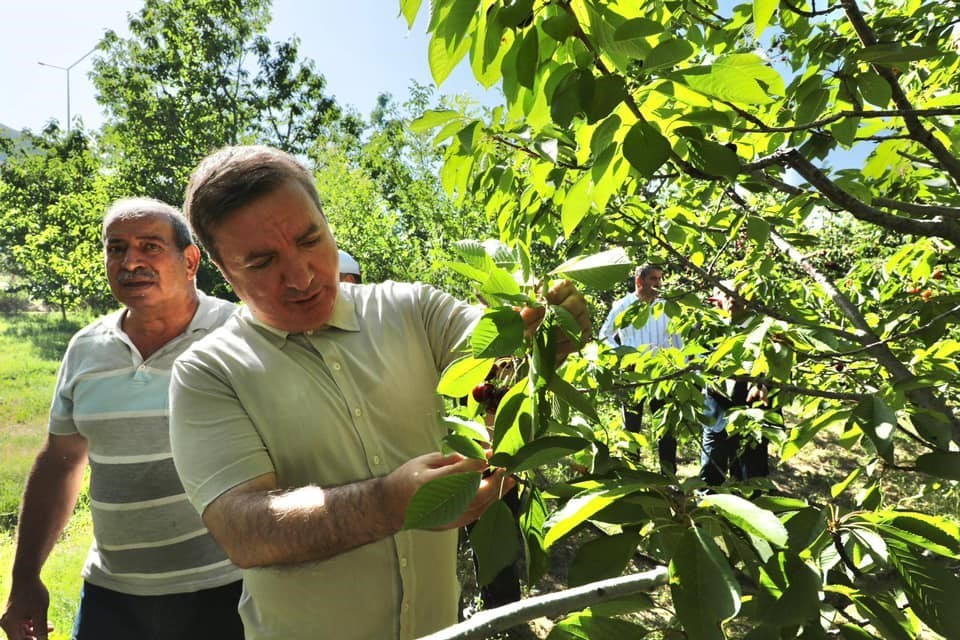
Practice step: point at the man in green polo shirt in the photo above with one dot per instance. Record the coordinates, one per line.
(303, 427)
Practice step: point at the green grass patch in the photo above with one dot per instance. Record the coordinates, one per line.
(31, 346)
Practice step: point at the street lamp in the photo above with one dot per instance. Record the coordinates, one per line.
(67, 69)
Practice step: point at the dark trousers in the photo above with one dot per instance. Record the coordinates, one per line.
(666, 445)
(105, 614)
(727, 456)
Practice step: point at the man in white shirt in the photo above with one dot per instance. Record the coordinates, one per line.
(654, 334)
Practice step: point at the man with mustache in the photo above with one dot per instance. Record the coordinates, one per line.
(303, 427)
(153, 570)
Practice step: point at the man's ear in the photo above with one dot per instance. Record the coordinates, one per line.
(192, 257)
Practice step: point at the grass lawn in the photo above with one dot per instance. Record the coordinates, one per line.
(31, 345)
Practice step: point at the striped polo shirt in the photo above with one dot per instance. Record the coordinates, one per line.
(148, 538)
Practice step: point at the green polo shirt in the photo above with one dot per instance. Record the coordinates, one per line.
(345, 403)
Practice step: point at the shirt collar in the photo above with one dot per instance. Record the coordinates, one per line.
(344, 317)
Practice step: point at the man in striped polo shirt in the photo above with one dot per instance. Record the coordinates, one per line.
(650, 336)
(153, 570)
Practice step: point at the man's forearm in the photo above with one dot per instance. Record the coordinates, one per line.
(274, 527)
(48, 500)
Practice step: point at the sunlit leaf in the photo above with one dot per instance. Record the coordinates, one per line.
(747, 516)
(441, 500)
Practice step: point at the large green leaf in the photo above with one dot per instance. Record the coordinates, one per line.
(747, 516)
(495, 541)
(576, 204)
(668, 53)
(762, 13)
(584, 626)
(599, 271)
(879, 422)
(931, 588)
(528, 59)
(942, 464)
(465, 446)
(645, 149)
(741, 78)
(462, 375)
(498, 333)
(409, 9)
(572, 396)
(540, 452)
(604, 557)
(432, 119)
(581, 507)
(705, 591)
(442, 500)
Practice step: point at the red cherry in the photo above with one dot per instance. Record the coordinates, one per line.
(482, 392)
(937, 275)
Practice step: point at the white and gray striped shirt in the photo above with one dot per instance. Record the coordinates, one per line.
(148, 538)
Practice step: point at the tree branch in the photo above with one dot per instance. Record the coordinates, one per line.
(922, 397)
(486, 624)
(937, 227)
(761, 127)
(948, 162)
(924, 210)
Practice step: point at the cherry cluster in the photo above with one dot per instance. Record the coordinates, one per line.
(490, 392)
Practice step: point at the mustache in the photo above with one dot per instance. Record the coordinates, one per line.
(137, 274)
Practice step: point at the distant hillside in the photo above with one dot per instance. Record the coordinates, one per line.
(7, 132)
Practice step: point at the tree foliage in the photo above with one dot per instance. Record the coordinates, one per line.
(52, 196)
(703, 135)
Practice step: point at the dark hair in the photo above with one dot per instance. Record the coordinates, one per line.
(132, 208)
(233, 177)
(644, 269)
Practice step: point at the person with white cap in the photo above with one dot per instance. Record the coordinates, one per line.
(349, 268)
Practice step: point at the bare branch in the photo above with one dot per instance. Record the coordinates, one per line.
(808, 14)
(840, 115)
(924, 210)
(486, 624)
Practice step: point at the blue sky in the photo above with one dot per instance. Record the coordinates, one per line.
(362, 47)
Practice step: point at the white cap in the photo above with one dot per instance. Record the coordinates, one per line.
(348, 264)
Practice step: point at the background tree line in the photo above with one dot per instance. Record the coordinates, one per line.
(694, 133)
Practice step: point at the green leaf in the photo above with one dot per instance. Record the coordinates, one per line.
(668, 53)
(498, 333)
(705, 591)
(893, 52)
(432, 119)
(600, 271)
(409, 9)
(845, 130)
(758, 230)
(604, 557)
(594, 627)
(747, 516)
(762, 12)
(559, 27)
(878, 422)
(495, 541)
(576, 204)
(608, 93)
(942, 464)
(742, 78)
(931, 588)
(443, 60)
(874, 89)
(645, 149)
(528, 59)
(463, 445)
(811, 107)
(544, 451)
(714, 158)
(636, 28)
(442, 500)
(462, 375)
(579, 508)
(570, 395)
